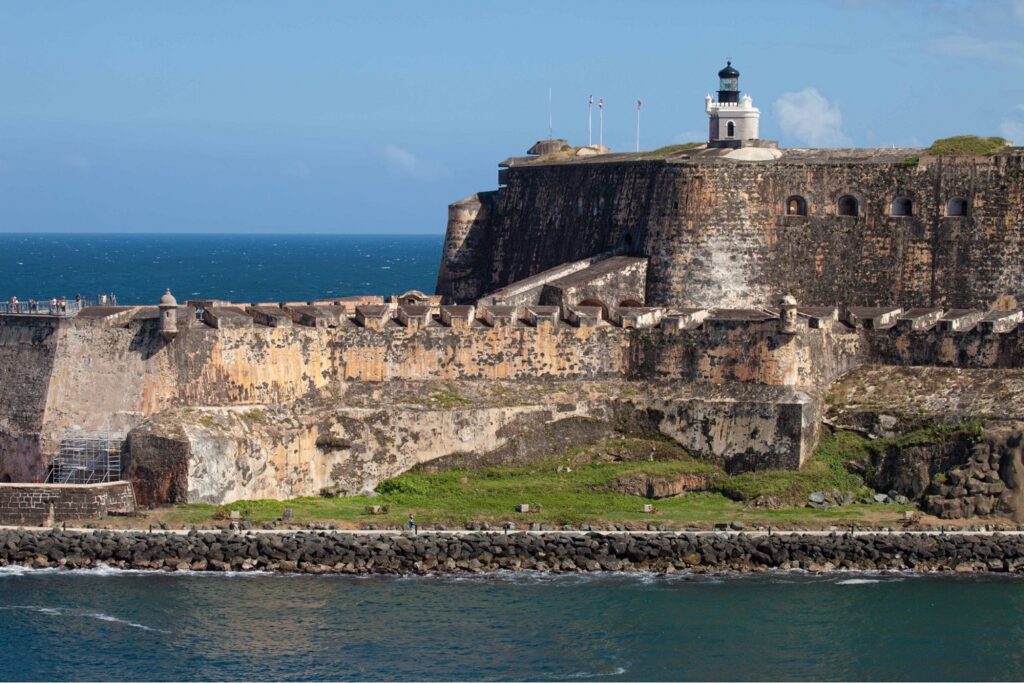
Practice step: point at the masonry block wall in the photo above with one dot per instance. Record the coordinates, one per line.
(32, 504)
(716, 231)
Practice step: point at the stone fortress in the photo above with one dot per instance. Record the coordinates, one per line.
(713, 293)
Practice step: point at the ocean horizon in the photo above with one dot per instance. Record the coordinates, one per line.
(137, 267)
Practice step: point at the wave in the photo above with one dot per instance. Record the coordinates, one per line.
(618, 671)
(101, 616)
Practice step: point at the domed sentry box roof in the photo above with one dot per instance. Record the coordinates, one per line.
(728, 71)
(168, 299)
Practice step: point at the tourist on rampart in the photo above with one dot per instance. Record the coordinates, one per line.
(53, 304)
(412, 522)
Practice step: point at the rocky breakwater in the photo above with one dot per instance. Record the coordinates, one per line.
(448, 552)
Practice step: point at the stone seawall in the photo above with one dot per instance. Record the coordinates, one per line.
(38, 504)
(446, 552)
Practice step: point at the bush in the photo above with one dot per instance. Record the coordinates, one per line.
(967, 145)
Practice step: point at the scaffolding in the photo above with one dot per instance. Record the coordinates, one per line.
(87, 460)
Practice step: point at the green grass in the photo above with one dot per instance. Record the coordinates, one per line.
(967, 145)
(449, 398)
(825, 471)
(911, 160)
(574, 488)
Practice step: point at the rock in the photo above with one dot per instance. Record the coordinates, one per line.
(817, 497)
(881, 498)
(901, 500)
(764, 502)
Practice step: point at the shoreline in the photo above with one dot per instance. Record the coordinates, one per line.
(451, 552)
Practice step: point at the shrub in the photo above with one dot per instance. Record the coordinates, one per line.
(967, 145)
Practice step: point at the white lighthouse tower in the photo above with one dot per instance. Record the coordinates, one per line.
(732, 120)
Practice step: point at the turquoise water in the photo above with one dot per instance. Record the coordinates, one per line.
(123, 625)
(241, 268)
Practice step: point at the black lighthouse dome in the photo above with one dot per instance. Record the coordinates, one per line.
(729, 71)
(729, 84)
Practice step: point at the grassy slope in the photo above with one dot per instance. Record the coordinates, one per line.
(579, 495)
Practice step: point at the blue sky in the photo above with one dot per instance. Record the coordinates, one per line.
(371, 117)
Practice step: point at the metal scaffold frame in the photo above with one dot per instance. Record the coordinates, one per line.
(90, 459)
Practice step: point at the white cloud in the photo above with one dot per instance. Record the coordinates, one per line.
(404, 162)
(295, 169)
(963, 45)
(810, 118)
(76, 161)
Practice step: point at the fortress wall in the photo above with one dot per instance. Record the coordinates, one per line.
(28, 346)
(744, 352)
(105, 379)
(465, 245)
(716, 234)
(969, 349)
(553, 213)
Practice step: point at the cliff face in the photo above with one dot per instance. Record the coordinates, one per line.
(716, 232)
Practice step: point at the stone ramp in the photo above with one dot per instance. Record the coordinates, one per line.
(605, 281)
(527, 290)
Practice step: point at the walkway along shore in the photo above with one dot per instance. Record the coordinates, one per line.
(376, 552)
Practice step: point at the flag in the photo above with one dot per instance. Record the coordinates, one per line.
(639, 103)
(600, 103)
(590, 100)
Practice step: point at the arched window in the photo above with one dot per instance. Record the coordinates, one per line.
(796, 206)
(848, 206)
(730, 129)
(957, 206)
(902, 206)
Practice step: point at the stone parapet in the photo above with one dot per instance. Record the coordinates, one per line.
(48, 504)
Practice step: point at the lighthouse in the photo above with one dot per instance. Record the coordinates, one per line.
(732, 119)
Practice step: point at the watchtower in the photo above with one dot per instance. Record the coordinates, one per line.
(168, 316)
(733, 119)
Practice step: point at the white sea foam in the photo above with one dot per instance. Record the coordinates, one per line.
(65, 612)
(618, 671)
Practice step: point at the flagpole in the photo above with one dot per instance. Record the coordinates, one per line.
(551, 118)
(600, 118)
(590, 121)
(639, 104)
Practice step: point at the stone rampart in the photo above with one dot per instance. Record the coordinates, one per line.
(720, 233)
(43, 504)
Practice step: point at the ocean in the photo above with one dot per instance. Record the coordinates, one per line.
(106, 624)
(243, 268)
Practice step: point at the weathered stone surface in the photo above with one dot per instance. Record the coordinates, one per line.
(716, 234)
(42, 504)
